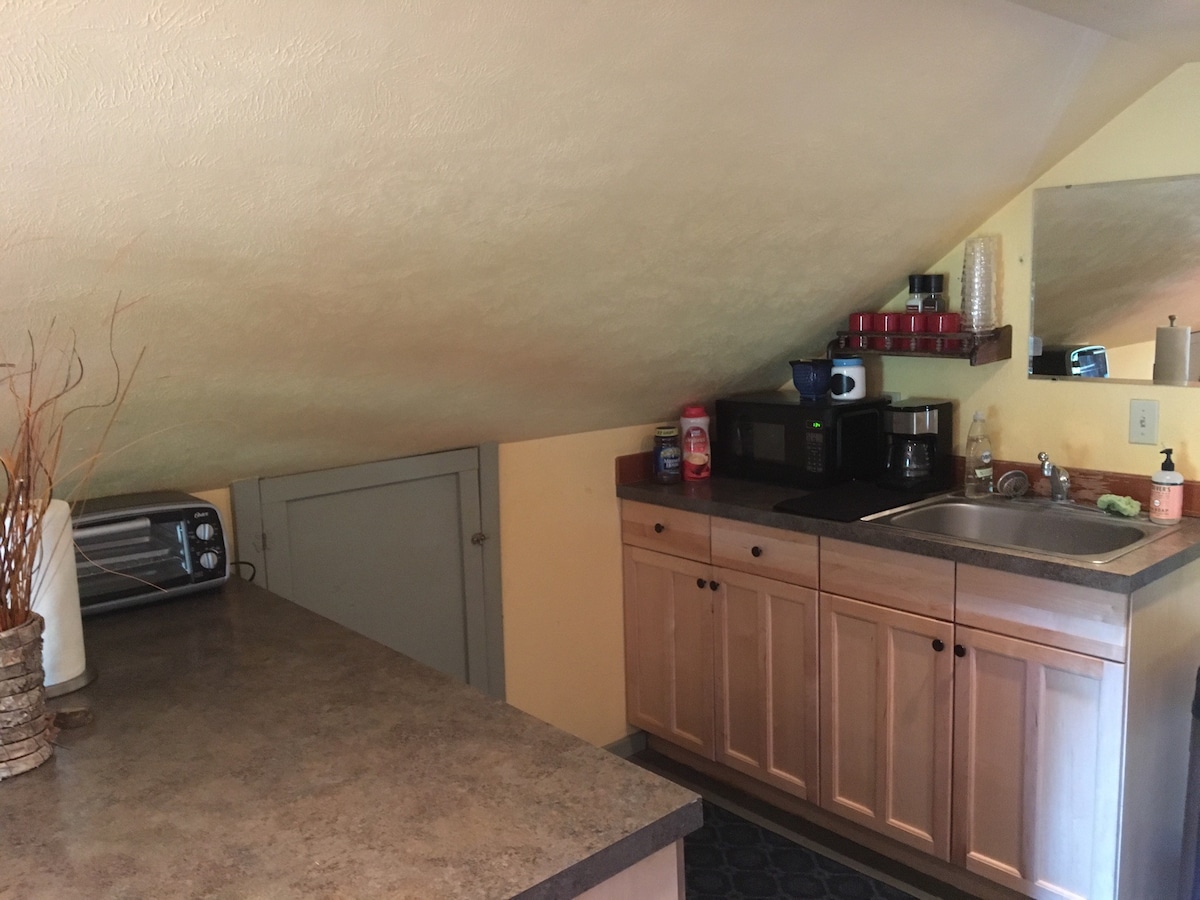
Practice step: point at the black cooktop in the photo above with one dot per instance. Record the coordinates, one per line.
(849, 502)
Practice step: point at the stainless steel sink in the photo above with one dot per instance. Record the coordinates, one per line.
(1039, 526)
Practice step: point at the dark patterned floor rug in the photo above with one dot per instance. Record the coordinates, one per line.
(871, 875)
(731, 858)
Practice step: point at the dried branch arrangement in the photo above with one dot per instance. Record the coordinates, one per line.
(40, 386)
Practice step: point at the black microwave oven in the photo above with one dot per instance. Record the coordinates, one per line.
(778, 437)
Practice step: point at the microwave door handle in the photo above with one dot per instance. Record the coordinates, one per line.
(741, 440)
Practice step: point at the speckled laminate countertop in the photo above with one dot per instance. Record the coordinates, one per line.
(753, 502)
(245, 747)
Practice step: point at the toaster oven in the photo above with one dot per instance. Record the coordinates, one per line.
(138, 548)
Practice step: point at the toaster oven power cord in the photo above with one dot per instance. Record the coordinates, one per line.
(242, 562)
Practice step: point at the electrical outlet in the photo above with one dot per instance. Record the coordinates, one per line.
(1143, 421)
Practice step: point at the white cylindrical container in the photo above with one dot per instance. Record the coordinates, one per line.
(1172, 349)
(693, 441)
(849, 378)
(55, 598)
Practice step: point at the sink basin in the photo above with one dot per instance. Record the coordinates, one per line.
(1039, 526)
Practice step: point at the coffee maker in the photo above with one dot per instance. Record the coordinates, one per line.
(919, 437)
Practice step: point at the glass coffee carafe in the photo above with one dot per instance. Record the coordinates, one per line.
(910, 456)
(918, 440)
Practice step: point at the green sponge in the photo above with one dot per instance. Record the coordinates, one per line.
(1119, 506)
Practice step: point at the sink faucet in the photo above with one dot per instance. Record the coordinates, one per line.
(1060, 478)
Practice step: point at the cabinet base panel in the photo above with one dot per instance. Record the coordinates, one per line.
(817, 826)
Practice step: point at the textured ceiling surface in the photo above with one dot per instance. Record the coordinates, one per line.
(359, 230)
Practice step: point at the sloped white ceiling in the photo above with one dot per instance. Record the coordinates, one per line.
(358, 230)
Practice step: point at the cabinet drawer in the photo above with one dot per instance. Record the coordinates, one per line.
(771, 552)
(667, 530)
(1067, 616)
(904, 581)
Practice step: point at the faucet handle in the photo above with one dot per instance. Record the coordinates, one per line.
(1047, 466)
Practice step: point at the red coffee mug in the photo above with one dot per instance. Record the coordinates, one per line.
(945, 323)
(912, 323)
(860, 322)
(888, 322)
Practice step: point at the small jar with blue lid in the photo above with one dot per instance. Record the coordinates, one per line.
(668, 455)
(849, 378)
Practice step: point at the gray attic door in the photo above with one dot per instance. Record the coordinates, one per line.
(404, 551)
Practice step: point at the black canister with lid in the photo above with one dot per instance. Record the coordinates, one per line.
(667, 455)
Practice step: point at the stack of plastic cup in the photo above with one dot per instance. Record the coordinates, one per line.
(981, 257)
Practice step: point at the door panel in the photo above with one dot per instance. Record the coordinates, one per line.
(1037, 766)
(669, 648)
(742, 676)
(386, 549)
(793, 725)
(853, 720)
(886, 720)
(767, 681)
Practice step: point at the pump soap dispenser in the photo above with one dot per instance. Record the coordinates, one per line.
(1166, 493)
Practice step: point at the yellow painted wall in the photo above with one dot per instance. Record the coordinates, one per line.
(1081, 423)
(561, 564)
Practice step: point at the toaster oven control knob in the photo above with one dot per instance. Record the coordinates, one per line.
(205, 532)
(209, 559)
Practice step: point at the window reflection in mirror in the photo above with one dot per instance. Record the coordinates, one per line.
(1111, 263)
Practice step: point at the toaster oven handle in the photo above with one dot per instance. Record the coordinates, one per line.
(90, 532)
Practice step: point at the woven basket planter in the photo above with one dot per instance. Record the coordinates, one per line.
(25, 726)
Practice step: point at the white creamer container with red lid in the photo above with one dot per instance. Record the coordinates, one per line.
(694, 442)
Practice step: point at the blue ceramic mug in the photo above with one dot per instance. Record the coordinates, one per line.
(811, 377)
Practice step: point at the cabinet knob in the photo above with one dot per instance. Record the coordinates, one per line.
(659, 527)
(756, 551)
(713, 585)
(700, 582)
(938, 645)
(960, 650)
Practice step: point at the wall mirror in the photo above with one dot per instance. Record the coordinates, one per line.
(1111, 263)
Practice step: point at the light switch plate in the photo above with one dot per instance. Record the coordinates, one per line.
(1143, 421)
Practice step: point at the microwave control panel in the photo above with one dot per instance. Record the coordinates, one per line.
(814, 446)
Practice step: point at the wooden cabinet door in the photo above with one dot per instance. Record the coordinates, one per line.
(766, 680)
(886, 720)
(1037, 756)
(669, 648)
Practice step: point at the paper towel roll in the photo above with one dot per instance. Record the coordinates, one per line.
(1172, 349)
(56, 597)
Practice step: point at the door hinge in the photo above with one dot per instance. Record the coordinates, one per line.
(478, 538)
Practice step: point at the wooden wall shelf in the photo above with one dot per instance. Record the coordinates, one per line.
(982, 348)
